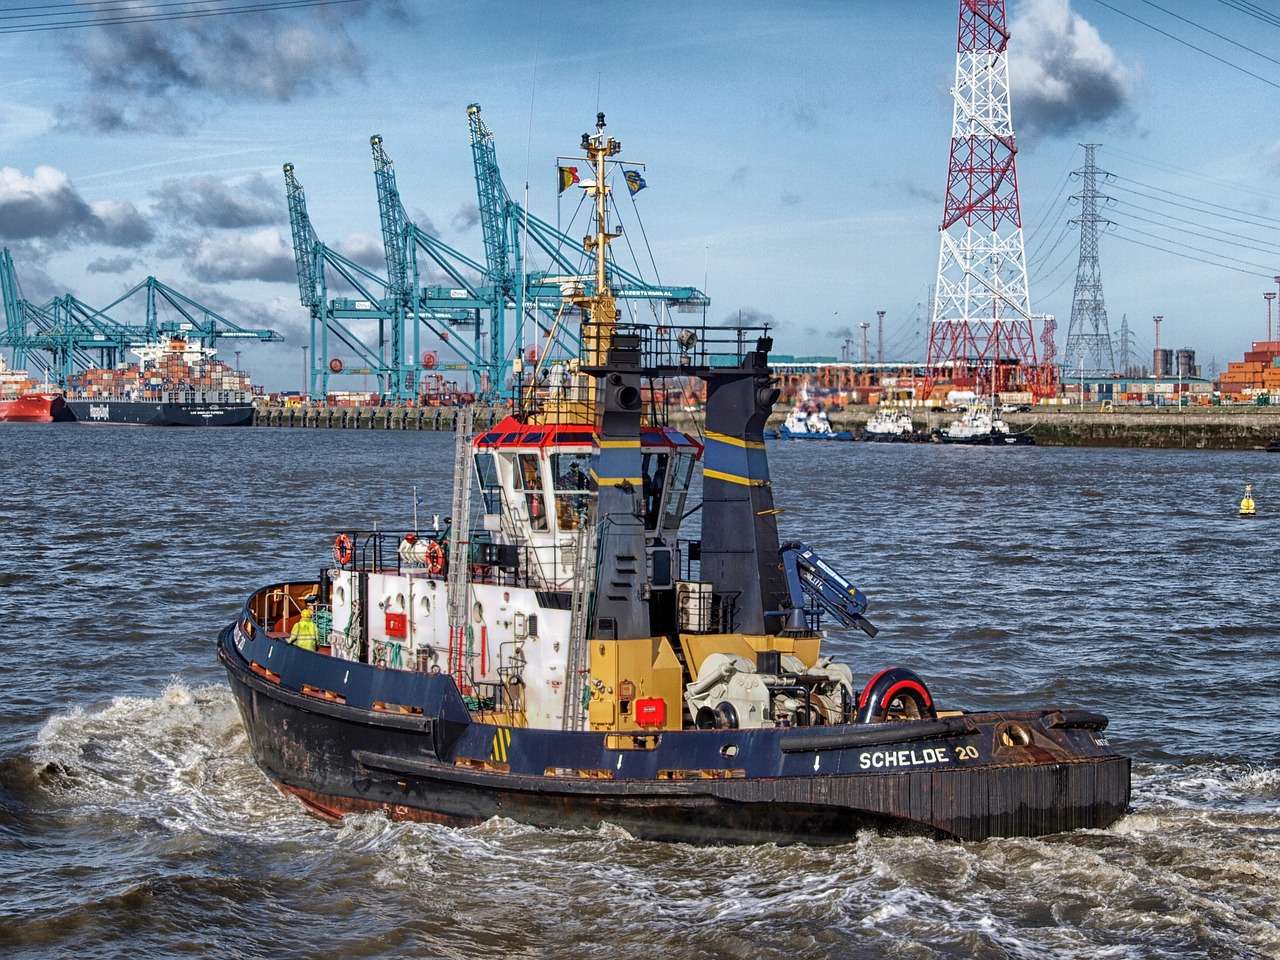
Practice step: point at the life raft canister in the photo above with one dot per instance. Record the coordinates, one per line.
(895, 684)
(343, 549)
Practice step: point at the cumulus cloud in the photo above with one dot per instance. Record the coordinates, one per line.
(118, 223)
(280, 313)
(210, 202)
(1062, 75)
(47, 206)
(259, 255)
(365, 250)
(142, 74)
(110, 264)
(44, 204)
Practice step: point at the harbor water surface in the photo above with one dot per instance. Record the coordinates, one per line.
(134, 823)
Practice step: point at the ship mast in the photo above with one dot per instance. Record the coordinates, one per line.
(600, 308)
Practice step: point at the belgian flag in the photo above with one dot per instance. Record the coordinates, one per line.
(568, 177)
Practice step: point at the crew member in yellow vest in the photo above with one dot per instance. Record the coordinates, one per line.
(303, 633)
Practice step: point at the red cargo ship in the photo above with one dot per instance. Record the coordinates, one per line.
(22, 400)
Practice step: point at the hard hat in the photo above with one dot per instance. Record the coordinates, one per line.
(306, 614)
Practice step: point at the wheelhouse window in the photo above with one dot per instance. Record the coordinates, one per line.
(490, 488)
(654, 472)
(574, 487)
(678, 490)
(529, 479)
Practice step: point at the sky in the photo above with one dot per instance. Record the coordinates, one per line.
(795, 156)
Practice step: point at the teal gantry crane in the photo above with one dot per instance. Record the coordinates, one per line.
(468, 311)
(66, 334)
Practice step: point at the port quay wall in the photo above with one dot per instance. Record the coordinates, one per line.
(1195, 428)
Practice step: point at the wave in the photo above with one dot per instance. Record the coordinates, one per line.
(1183, 875)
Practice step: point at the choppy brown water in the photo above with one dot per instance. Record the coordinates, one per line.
(133, 822)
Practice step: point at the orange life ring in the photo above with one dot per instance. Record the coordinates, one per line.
(343, 549)
(435, 557)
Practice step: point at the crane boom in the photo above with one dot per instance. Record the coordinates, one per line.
(304, 239)
(492, 198)
(394, 221)
(808, 575)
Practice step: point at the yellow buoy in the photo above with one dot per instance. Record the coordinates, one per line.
(1247, 507)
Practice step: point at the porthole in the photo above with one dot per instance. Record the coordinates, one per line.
(340, 595)
(477, 612)
(425, 604)
(399, 601)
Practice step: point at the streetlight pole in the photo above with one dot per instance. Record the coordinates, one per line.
(237, 361)
(1270, 297)
(306, 389)
(865, 353)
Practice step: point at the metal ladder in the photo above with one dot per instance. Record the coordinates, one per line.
(459, 543)
(578, 661)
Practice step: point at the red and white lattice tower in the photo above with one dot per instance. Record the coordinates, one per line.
(982, 324)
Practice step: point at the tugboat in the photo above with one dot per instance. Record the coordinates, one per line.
(808, 421)
(573, 658)
(889, 426)
(981, 425)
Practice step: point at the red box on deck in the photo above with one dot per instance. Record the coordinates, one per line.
(397, 625)
(651, 712)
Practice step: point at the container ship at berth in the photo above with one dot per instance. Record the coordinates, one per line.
(575, 657)
(175, 383)
(23, 400)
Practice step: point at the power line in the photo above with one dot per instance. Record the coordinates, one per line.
(1184, 206)
(1188, 43)
(1268, 248)
(1169, 168)
(1213, 33)
(78, 10)
(1038, 261)
(1187, 256)
(1066, 180)
(260, 6)
(1040, 274)
(1253, 10)
(1207, 203)
(1058, 286)
(1210, 253)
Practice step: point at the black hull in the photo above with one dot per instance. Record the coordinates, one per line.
(993, 440)
(814, 785)
(154, 413)
(888, 438)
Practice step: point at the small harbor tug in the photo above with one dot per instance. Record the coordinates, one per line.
(575, 656)
(981, 425)
(808, 421)
(887, 425)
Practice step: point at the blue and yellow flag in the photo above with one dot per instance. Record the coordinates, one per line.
(635, 182)
(568, 177)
